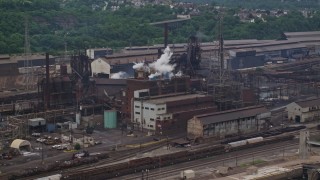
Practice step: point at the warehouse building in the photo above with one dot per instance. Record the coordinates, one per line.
(98, 52)
(168, 112)
(8, 66)
(229, 123)
(304, 111)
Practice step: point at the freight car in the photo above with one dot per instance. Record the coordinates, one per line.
(137, 165)
(264, 134)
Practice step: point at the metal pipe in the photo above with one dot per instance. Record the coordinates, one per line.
(47, 89)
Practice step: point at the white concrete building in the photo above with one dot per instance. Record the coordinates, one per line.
(154, 112)
(146, 112)
(100, 66)
(303, 111)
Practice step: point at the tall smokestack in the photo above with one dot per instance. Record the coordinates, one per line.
(165, 35)
(47, 89)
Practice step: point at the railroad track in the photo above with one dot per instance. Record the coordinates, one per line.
(198, 164)
(114, 157)
(121, 169)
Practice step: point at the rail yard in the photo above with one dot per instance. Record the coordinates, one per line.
(163, 112)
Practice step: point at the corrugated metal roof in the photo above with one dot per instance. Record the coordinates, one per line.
(231, 114)
(17, 143)
(105, 81)
(176, 97)
(309, 103)
(308, 33)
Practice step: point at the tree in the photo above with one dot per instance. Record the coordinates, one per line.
(77, 147)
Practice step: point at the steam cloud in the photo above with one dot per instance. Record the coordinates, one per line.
(160, 67)
(120, 75)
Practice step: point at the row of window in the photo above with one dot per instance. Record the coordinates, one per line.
(138, 107)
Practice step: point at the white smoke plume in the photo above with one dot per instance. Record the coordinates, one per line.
(119, 75)
(162, 66)
(179, 74)
(141, 65)
(138, 65)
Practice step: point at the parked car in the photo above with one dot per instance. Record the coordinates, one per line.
(41, 140)
(97, 142)
(36, 134)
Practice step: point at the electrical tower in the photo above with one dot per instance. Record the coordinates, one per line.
(28, 74)
(226, 92)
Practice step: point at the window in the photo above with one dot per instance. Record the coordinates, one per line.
(152, 109)
(137, 112)
(137, 106)
(162, 108)
(146, 108)
(151, 119)
(164, 118)
(151, 126)
(159, 109)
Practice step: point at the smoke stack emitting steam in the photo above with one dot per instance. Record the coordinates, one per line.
(161, 67)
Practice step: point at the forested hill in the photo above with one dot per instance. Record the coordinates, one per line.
(80, 24)
(263, 4)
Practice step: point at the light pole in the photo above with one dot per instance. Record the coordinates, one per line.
(147, 171)
(142, 177)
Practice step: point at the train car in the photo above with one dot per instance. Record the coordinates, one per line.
(254, 140)
(237, 143)
(52, 177)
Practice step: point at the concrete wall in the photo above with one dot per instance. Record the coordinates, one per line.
(195, 127)
(228, 128)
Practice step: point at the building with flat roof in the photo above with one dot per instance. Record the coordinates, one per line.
(169, 112)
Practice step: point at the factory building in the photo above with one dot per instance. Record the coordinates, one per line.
(156, 87)
(100, 68)
(8, 66)
(304, 111)
(98, 52)
(168, 112)
(33, 60)
(229, 123)
(260, 54)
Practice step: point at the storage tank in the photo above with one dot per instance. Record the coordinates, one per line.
(254, 140)
(238, 143)
(110, 119)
